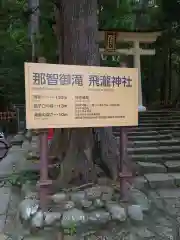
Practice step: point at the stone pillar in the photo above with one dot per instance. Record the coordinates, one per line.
(137, 64)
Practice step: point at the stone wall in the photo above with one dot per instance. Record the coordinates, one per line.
(81, 211)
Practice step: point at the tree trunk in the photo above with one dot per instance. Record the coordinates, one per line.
(75, 146)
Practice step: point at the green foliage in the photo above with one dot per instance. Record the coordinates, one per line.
(18, 179)
(15, 45)
(15, 49)
(47, 35)
(116, 17)
(129, 15)
(71, 230)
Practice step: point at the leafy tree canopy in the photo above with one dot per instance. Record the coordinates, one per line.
(15, 45)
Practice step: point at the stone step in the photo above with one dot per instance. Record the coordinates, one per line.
(176, 134)
(156, 121)
(155, 128)
(159, 181)
(145, 133)
(162, 180)
(148, 167)
(154, 150)
(144, 150)
(167, 124)
(148, 127)
(154, 143)
(150, 138)
(150, 121)
(148, 133)
(146, 116)
(159, 117)
(160, 112)
(155, 158)
(170, 116)
(172, 166)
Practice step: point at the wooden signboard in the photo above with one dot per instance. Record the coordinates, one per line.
(69, 96)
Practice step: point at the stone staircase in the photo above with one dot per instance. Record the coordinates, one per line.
(155, 147)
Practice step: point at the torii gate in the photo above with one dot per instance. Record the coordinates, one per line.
(111, 38)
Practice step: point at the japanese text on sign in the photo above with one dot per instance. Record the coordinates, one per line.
(61, 96)
(67, 79)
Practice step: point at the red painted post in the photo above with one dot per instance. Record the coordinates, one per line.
(124, 165)
(124, 170)
(44, 182)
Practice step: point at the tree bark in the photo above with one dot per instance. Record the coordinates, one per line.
(80, 32)
(75, 146)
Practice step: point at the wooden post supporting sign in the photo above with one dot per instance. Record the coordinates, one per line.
(44, 182)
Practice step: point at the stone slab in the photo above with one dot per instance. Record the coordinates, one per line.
(161, 130)
(159, 124)
(2, 223)
(169, 193)
(18, 139)
(165, 232)
(148, 167)
(176, 177)
(4, 199)
(173, 142)
(153, 194)
(152, 143)
(159, 180)
(169, 149)
(144, 150)
(155, 199)
(7, 165)
(15, 148)
(141, 133)
(173, 206)
(155, 158)
(145, 233)
(29, 165)
(171, 156)
(43, 235)
(19, 151)
(147, 158)
(164, 221)
(34, 238)
(3, 236)
(139, 182)
(173, 166)
(150, 138)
